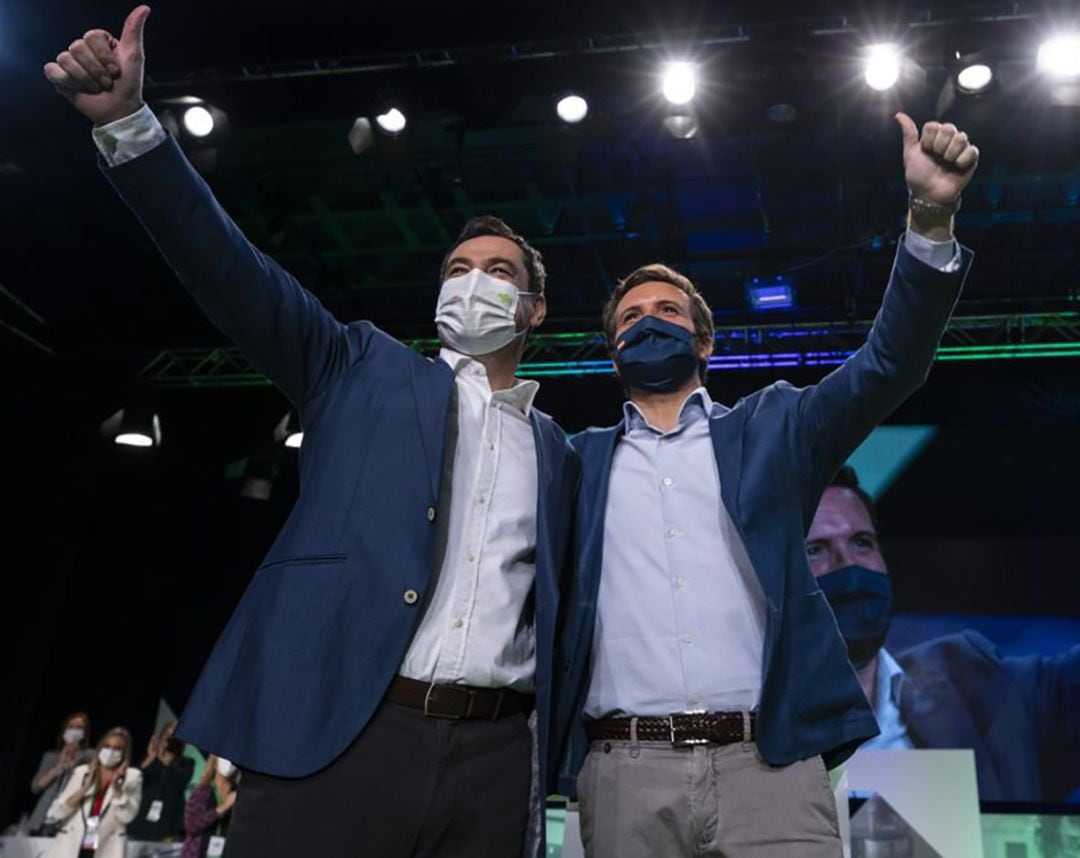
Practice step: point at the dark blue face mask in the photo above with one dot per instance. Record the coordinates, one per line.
(655, 355)
(861, 600)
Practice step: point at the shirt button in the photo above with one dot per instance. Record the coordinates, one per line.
(471, 558)
(431, 513)
(680, 582)
(667, 481)
(410, 596)
(672, 532)
(458, 623)
(687, 639)
(480, 499)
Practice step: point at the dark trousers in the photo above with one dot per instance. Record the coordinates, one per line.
(409, 787)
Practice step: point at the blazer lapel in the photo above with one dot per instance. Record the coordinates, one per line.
(432, 384)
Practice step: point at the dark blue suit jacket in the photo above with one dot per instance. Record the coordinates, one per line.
(1021, 716)
(324, 624)
(776, 450)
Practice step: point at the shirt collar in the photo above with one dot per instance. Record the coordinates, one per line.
(697, 405)
(520, 396)
(890, 676)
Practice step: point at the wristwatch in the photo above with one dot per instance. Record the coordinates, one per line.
(924, 207)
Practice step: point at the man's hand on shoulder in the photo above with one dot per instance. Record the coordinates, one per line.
(103, 76)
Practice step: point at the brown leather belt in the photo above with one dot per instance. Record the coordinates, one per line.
(679, 728)
(458, 702)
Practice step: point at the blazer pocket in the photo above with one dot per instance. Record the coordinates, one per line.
(305, 560)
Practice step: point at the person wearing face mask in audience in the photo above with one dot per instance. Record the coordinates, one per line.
(166, 773)
(1021, 716)
(705, 688)
(98, 803)
(209, 809)
(376, 680)
(56, 767)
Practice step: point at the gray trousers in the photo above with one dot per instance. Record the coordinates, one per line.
(650, 800)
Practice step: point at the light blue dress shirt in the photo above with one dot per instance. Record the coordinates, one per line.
(680, 612)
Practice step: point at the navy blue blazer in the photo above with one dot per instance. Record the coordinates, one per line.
(1021, 716)
(776, 451)
(327, 619)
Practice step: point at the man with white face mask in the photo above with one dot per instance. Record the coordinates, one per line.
(376, 680)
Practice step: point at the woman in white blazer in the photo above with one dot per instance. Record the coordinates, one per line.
(99, 801)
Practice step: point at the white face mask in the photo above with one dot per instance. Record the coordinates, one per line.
(110, 757)
(225, 768)
(476, 313)
(73, 735)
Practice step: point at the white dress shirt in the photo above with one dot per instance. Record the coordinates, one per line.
(477, 627)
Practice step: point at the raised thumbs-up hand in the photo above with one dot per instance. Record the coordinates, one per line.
(103, 76)
(939, 163)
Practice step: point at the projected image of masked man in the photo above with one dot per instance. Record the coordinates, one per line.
(1021, 716)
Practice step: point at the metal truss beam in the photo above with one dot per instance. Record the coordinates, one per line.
(738, 347)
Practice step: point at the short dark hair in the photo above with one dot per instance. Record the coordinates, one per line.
(491, 225)
(846, 478)
(700, 314)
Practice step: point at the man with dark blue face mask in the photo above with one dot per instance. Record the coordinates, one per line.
(1020, 715)
(705, 687)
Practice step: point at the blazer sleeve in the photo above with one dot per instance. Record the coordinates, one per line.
(125, 804)
(837, 414)
(1052, 684)
(60, 810)
(283, 329)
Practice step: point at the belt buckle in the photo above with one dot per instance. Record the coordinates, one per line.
(684, 743)
(428, 713)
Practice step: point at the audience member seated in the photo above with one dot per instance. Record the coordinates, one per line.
(100, 799)
(56, 766)
(207, 812)
(1021, 716)
(166, 773)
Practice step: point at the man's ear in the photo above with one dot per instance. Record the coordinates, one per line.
(539, 312)
(705, 348)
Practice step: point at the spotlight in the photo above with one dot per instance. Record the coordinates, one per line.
(882, 69)
(679, 82)
(288, 431)
(361, 136)
(133, 427)
(393, 122)
(198, 121)
(681, 125)
(1059, 57)
(572, 108)
(974, 78)
(770, 293)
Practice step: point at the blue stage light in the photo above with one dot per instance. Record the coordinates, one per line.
(770, 293)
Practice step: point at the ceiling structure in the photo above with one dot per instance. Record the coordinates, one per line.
(818, 198)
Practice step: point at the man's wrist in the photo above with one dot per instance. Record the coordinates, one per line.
(934, 226)
(121, 112)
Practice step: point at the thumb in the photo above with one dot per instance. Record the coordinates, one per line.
(132, 37)
(908, 129)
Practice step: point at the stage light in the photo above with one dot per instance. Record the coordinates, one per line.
(974, 78)
(289, 432)
(133, 427)
(198, 121)
(360, 136)
(572, 108)
(770, 293)
(1059, 57)
(681, 125)
(679, 82)
(393, 122)
(882, 69)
